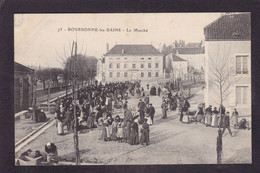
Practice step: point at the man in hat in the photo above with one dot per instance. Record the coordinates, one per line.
(141, 105)
(151, 111)
(226, 123)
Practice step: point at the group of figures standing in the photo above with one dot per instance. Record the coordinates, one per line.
(96, 107)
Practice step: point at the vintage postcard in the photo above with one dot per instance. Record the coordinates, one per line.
(132, 88)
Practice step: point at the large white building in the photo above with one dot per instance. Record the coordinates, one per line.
(130, 63)
(228, 52)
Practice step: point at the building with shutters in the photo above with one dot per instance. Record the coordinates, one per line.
(23, 87)
(228, 41)
(131, 63)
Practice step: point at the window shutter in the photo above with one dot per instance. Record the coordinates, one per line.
(232, 96)
(232, 66)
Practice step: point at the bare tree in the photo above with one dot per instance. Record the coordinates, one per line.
(219, 73)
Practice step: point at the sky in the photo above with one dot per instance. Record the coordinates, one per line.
(41, 39)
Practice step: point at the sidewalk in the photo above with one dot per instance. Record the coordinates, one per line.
(25, 126)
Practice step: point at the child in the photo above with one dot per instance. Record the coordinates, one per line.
(120, 131)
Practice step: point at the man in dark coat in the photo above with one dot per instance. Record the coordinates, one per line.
(159, 91)
(141, 105)
(226, 123)
(147, 100)
(151, 111)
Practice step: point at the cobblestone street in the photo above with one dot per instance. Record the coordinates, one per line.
(171, 142)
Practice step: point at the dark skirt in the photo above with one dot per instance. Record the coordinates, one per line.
(134, 138)
(114, 132)
(144, 137)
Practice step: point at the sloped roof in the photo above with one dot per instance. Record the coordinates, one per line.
(188, 50)
(229, 27)
(19, 68)
(177, 58)
(133, 50)
(193, 45)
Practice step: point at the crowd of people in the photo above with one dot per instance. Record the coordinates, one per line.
(97, 106)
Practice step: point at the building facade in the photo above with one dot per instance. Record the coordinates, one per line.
(228, 52)
(179, 67)
(23, 87)
(194, 53)
(131, 63)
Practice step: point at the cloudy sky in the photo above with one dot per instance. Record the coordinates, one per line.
(37, 39)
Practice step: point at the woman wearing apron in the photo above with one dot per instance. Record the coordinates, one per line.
(214, 122)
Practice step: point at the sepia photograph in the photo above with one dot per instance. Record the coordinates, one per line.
(132, 88)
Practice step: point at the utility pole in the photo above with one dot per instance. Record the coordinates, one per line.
(49, 96)
(76, 138)
(34, 100)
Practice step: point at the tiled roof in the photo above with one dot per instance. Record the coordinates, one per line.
(177, 58)
(229, 27)
(21, 68)
(133, 50)
(188, 50)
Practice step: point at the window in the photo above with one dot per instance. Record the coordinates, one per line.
(125, 65)
(149, 74)
(110, 74)
(157, 74)
(125, 74)
(241, 95)
(142, 58)
(118, 74)
(149, 65)
(149, 58)
(142, 65)
(118, 65)
(110, 65)
(142, 74)
(156, 65)
(133, 65)
(241, 64)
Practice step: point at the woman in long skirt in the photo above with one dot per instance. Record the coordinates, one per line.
(234, 118)
(134, 135)
(214, 122)
(145, 133)
(114, 128)
(59, 119)
(208, 119)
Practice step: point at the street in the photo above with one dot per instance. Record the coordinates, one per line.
(171, 142)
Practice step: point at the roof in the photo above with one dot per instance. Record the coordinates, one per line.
(193, 45)
(177, 58)
(19, 68)
(188, 50)
(133, 50)
(229, 27)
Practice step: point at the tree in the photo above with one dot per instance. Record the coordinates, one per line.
(219, 73)
(85, 67)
